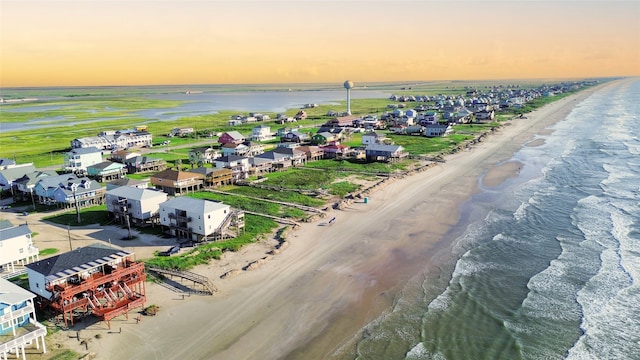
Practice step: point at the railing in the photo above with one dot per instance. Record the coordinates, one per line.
(17, 313)
(90, 283)
(196, 278)
(24, 339)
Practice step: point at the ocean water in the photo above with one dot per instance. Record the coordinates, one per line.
(547, 265)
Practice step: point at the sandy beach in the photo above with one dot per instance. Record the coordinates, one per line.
(311, 299)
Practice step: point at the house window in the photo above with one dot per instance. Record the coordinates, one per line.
(199, 227)
(209, 216)
(37, 285)
(21, 250)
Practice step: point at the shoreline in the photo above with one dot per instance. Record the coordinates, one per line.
(312, 299)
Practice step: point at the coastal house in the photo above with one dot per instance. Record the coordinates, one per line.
(80, 192)
(231, 137)
(140, 184)
(324, 137)
(140, 205)
(387, 153)
(373, 138)
(239, 166)
(483, 115)
(181, 132)
(142, 164)
(45, 187)
(263, 163)
(214, 177)
(11, 173)
(436, 130)
(341, 121)
(26, 184)
(97, 280)
(19, 327)
(294, 136)
(78, 159)
(198, 219)
(246, 148)
(335, 150)
(203, 155)
(261, 133)
(121, 155)
(301, 115)
(115, 140)
(106, 171)
(311, 152)
(176, 182)
(294, 155)
(16, 247)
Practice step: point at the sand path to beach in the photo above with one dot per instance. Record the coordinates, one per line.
(310, 299)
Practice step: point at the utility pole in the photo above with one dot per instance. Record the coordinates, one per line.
(69, 234)
(75, 200)
(33, 201)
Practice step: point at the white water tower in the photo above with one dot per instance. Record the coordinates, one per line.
(348, 85)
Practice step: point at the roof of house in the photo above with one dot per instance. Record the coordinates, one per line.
(105, 164)
(235, 135)
(18, 171)
(135, 193)
(199, 206)
(12, 294)
(14, 232)
(140, 159)
(176, 175)
(231, 158)
(86, 150)
(77, 260)
(128, 182)
(5, 162)
(383, 147)
(54, 181)
(5, 224)
(34, 177)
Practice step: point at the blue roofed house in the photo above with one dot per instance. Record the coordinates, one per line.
(83, 191)
(16, 247)
(18, 325)
(141, 205)
(78, 159)
(45, 187)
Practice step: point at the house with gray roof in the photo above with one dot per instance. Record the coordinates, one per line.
(16, 247)
(388, 153)
(198, 219)
(100, 280)
(78, 159)
(140, 205)
(11, 173)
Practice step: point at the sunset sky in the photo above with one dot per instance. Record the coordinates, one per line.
(126, 42)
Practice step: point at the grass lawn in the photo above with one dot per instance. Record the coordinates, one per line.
(88, 216)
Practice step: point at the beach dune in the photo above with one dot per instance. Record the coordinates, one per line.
(310, 300)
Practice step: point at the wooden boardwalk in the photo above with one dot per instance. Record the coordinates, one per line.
(207, 285)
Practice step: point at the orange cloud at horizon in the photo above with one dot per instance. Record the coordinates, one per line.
(52, 43)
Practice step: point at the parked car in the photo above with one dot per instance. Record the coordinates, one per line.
(172, 250)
